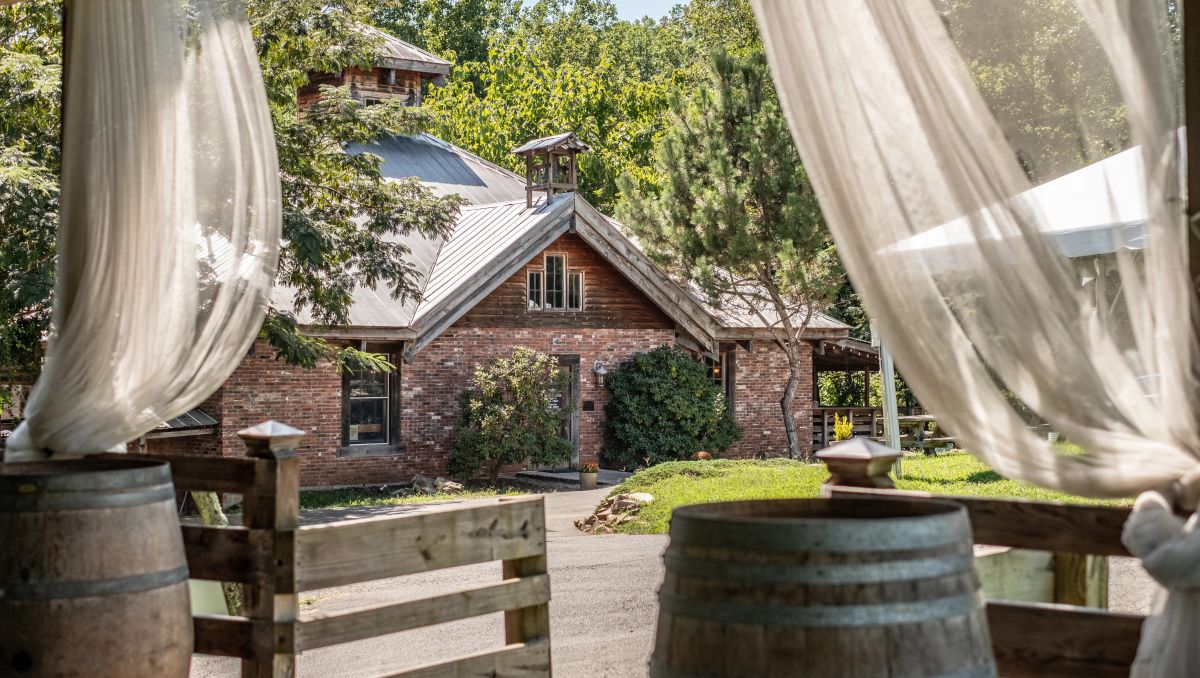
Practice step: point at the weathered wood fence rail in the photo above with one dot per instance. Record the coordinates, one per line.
(275, 559)
(1033, 639)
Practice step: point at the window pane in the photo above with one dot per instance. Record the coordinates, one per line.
(535, 289)
(555, 281)
(368, 384)
(368, 420)
(575, 290)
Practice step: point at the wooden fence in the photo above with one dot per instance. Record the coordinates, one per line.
(1037, 639)
(275, 559)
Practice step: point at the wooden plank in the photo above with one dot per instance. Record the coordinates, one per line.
(229, 636)
(392, 618)
(1045, 525)
(240, 475)
(1032, 639)
(517, 660)
(375, 548)
(1081, 580)
(228, 554)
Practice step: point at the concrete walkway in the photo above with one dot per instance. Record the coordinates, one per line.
(602, 615)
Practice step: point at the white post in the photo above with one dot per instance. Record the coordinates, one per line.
(887, 372)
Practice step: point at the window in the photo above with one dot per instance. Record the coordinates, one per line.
(535, 289)
(371, 101)
(556, 269)
(575, 291)
(722, 373)
(367, 408)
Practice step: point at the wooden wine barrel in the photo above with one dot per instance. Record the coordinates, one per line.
(842, 588)
(93, 579)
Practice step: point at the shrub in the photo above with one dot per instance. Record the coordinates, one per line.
(843, 428)
(589, 468)
(511, 413)
(664, 407)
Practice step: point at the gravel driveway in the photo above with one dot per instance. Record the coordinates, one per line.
(602, 614)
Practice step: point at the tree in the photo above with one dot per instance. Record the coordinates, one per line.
(736, 212)
(458, 30)
(513, 411)
(30, 72)
(664, 407)
(339, 214)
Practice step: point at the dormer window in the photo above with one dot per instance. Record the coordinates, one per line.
(554, 287)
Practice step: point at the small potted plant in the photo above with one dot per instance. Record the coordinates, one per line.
(588, 474)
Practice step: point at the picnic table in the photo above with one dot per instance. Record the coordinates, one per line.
(915, 432)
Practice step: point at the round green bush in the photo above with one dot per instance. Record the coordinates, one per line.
(663, 408)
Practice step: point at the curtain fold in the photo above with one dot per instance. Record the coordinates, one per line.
(170, 222)
(1016, 230)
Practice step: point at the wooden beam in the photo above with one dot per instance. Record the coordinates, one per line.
(238, 475)
(224, 636)
(518, 660)
(1023, 523)
(1032, 639)
(355, 551)
(230, 554)
(380, 620)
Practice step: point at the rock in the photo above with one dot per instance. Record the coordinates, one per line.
(447, 486)
(641, 498)
(701, 456)
(625, 505)
(423, 484)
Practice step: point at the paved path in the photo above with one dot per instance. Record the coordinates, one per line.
(602, 615)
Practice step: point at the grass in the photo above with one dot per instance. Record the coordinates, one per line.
(678, 483)
(383, 496)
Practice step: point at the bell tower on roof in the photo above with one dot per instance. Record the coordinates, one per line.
(551, 165)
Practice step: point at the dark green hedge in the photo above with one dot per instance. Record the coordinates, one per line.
(663, 408)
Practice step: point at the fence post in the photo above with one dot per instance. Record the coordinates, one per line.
(858, 462)
(527, 623)
(278, 510)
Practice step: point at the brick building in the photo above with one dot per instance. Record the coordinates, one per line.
(528, 263)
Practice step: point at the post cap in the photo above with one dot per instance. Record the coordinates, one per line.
(271, 436)
(859, 462)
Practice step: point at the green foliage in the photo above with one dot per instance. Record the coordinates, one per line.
(1046, 79)
(512, 412)
(340, 217)
(389, 496)
(843, 428)
(589, 468)
(736, 212)
(676, 484)
(457, 30)
(30, 71)
(664, 407)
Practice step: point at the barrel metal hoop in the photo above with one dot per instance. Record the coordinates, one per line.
(822, 615)
(828, 535)
(840, 573)
(34, 501)
(53, 590)
(661, 670)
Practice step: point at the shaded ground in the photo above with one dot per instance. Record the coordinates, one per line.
(602, 615)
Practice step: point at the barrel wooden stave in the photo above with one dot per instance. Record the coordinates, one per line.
(738, 605)
(93, 580)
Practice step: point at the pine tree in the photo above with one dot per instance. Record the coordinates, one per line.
(736, 213)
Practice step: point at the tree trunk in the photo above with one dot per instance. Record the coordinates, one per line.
(211, 514)
(494, 472)
(785, 404)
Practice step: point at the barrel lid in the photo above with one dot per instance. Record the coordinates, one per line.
(829, 525)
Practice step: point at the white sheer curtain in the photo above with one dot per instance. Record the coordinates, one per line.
(170, 221)
(1018, 284)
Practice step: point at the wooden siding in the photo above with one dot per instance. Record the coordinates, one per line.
(367, 83)
(609, 299)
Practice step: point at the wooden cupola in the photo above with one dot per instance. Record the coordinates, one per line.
(551, 164)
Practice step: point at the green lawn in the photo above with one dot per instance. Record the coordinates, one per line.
(678, 483)
(360, 496)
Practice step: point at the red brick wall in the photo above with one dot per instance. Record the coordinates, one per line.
(437, 376)
(761, 376)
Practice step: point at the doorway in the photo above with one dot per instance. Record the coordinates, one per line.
(568, 365)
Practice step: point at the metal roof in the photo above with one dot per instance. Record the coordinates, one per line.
(396, 53)
(191, 419)
(444, 168)
(480, 234)
(562, 141)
